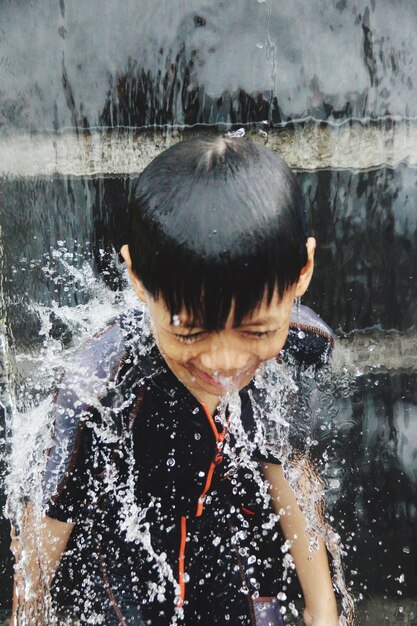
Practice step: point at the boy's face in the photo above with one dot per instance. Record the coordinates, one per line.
(202, 360)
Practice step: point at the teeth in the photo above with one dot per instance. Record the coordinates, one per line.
(226, 381)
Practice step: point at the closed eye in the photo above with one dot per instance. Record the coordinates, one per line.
(260, 334)
(190, 338)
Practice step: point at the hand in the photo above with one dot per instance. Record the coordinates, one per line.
(324, 618)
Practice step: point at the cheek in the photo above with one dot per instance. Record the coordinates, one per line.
(175, 351)
(271, 349)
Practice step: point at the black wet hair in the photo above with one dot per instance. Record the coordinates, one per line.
(215, 223)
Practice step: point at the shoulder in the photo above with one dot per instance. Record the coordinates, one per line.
(92, 373)
(310, 340)
(98, 361)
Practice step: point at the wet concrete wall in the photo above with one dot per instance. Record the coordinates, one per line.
(83, 90)
(136, 64)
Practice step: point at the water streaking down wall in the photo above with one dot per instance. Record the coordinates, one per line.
(354, 146)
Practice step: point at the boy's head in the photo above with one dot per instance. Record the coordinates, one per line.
(217, 234)
(216, 221)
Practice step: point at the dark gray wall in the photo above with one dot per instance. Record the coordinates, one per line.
(135, 63)
(91, 66)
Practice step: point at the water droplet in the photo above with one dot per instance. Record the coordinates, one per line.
(197, 436)
(240, 132)
(301, 334)
(171, 462)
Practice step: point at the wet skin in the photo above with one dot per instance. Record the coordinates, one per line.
(201, 360)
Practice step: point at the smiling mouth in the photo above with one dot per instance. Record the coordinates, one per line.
(222, 383)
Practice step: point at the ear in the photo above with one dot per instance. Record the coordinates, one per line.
(134, 279)
(307, 271)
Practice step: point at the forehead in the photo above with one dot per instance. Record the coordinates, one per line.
(264, 314)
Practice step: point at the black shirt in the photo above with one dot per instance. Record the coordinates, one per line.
(126, 429)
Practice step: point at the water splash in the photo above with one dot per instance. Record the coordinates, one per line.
(32, 435)
(275, 390)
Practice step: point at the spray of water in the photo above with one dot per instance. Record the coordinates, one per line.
(31, 428)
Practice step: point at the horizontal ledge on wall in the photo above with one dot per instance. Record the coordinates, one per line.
(376, 351)
(305, 147)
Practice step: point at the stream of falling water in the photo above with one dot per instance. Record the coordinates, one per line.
(33, 376)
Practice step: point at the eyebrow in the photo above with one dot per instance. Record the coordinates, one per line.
(267, 321)
(187, 324)
(192, 325)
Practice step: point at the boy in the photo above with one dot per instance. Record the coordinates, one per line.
(145, 452)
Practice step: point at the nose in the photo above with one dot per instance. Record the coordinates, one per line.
(224, 359)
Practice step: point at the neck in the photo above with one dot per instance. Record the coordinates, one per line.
(211, 402)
